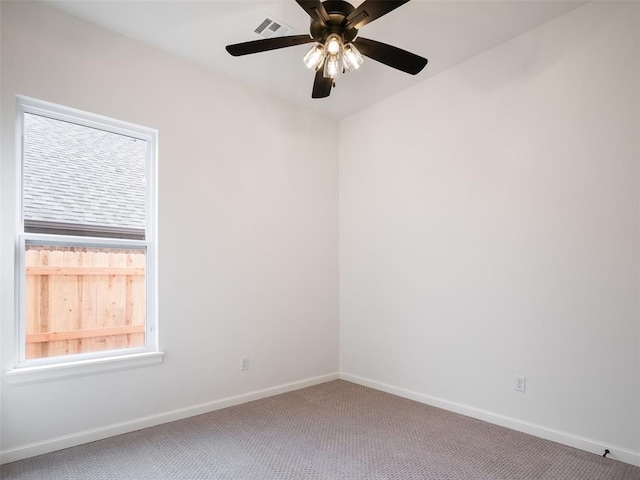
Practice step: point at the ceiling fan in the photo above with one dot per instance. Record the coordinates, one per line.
(337, 47)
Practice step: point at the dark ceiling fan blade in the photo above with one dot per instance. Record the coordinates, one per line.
(321, 86)
(392, 56)
(266, 44)
(369, 10)
(315, 10)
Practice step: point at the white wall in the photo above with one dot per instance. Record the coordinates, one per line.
(247, 227)
(489, 226)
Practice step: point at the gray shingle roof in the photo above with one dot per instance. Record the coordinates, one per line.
(80, 175)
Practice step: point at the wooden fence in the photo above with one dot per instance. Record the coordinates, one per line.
(83, 300)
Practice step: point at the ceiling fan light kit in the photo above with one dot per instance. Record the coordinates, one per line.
(337, 47)
(334, 55)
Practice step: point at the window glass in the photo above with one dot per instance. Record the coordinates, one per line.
(83, 299)
(81, 180)
(86, 248)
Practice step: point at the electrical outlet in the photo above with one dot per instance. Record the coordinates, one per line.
(521, 383)
(244, 363)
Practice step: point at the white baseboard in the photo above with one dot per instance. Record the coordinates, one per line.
(87, 436)
(565, 438)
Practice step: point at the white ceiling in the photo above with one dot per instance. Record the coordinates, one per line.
(446, 32)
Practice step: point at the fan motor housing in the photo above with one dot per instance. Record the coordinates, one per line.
(338, 11)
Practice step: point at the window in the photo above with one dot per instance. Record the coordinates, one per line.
(87, 241)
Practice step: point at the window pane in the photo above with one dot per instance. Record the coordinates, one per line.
(79, 180)
(83, 299)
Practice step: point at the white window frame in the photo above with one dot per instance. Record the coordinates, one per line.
(94, 360)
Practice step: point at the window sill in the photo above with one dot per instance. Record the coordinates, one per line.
(46, 373)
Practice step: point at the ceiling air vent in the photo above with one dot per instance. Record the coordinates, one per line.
(272, 27)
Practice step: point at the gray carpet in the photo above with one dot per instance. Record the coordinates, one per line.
(337, 430)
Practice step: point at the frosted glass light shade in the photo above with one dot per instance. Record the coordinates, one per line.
(332, 66)
(333, 45)
(351, 57)
(314, 57)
